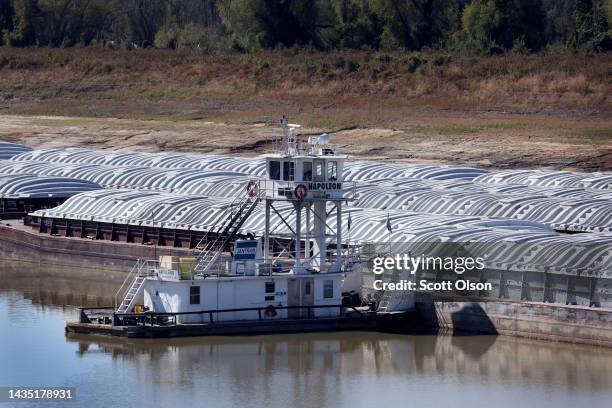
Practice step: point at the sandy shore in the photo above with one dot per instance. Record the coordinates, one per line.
(491, 141)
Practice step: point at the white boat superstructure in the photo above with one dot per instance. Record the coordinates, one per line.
(292, 275)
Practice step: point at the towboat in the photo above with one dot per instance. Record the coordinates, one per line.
(272, 283)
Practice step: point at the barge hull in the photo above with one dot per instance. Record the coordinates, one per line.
(386, 322)
(535, 320)
(544, 321)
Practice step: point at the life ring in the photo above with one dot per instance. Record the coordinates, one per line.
(252, 188)
(300, 192)
(271, 311)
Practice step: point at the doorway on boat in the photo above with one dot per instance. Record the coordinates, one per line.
(300, 293)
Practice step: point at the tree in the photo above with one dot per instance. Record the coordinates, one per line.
(26, 13)
(414, 24)
(591, 32)
(6, 19)
(269, 23)
(489, 25)
(145, 18)
(559, 20)
(348, 24)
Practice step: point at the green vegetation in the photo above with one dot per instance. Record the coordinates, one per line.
(474, 26)
(90, 81)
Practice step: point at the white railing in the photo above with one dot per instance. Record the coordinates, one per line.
(135, 271)
(240, 208)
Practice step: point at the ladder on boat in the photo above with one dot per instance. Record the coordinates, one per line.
(383, 304)
(137, 277)
(132, 294)
(210, 251)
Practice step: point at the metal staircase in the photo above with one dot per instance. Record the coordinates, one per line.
(137, 276)
(384, 302)
(210, 252)
(132, 294)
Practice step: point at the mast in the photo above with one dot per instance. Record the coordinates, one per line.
(309, 177)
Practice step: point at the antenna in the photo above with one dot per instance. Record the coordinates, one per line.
(290, 132)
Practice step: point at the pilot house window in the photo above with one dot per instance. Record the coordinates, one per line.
(318, 171)
(332, 171)
(194, 295)
(288, 171)
(307, 171)
(275, 170)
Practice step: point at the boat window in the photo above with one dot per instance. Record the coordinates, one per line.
(288, 171)
(328, 289)
(307, 288)
(307, 171)
(270, 287)
(194, 295)
(332, 170)
(274, 170)
(319, 170)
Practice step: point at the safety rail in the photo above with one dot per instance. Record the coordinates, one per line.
(128, 278)
(169, 318)
(234, 206)
(241, 208)
(142, 268)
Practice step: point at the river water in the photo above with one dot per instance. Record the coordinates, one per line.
(354, 369)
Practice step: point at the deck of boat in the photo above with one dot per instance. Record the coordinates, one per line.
(368, 321)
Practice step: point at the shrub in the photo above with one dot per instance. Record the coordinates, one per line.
(489, 26)
(166, 37)
(414, 62)
(591, 32)
(193, 36)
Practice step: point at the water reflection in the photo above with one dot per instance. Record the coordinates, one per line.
(485, 358)
(303, 370)
(58, 286)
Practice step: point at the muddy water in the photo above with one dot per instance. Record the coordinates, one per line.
(327, 369)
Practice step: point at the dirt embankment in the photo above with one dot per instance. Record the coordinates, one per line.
(505, 111)
(485, 142)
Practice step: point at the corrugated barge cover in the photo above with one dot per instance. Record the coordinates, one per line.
(425, 203)
(8, 150)
(418, 188)
(32, 186)
(354, 171)
(584, 254)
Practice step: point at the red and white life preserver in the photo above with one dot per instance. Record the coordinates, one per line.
(252, 188)
(271, 311)
(300, 192)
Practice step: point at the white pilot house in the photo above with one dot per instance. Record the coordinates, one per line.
(293, 276)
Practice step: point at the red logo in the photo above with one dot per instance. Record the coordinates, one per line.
(300, 192)
(252, 188)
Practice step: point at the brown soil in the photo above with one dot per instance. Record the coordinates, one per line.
(495, 141)
(510, 111)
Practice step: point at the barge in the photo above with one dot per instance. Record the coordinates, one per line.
(548, 281)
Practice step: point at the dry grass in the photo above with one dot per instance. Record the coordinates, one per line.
(511, 110)
(433, 81)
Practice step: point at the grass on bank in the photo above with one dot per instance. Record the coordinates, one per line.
(439, 80)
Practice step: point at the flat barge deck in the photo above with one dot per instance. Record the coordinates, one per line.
(144, 328)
